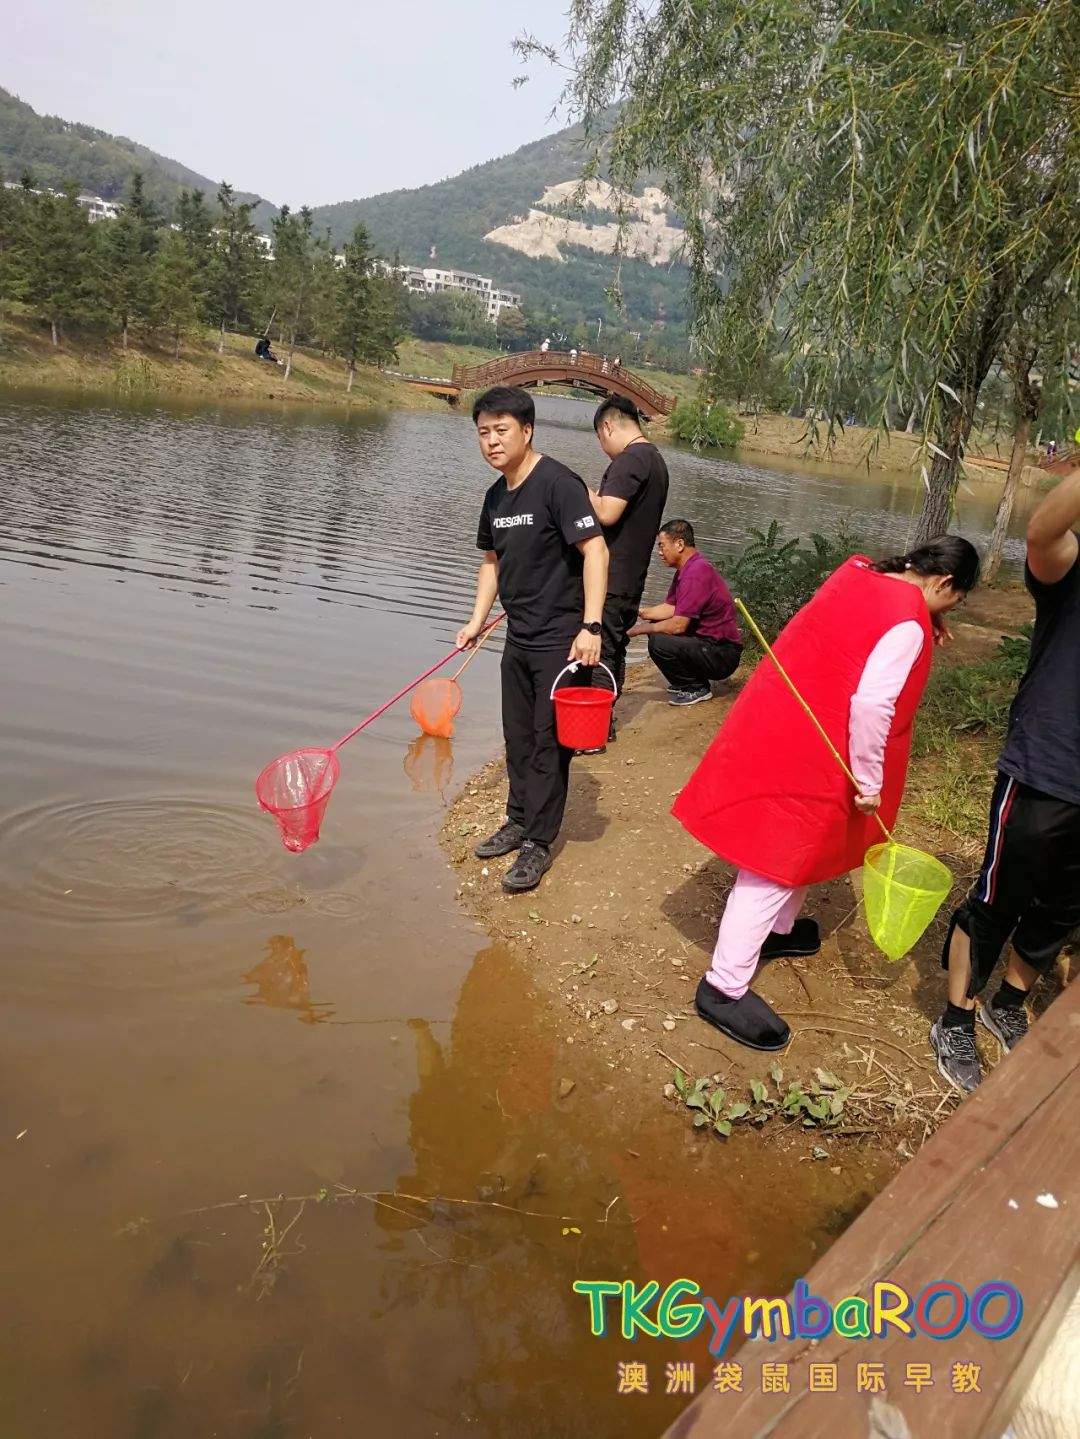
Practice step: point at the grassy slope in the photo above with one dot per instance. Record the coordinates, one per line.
(28, 360)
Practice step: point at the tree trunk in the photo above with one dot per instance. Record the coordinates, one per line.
(352, 376)
(288, 358)
(937, 512)
(124, 333)
(221, 338)
(1008, 497)
(176, 350)
(55, 334)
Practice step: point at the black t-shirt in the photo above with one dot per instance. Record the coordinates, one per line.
(1043, 744)
(640, 477)
(535, 531)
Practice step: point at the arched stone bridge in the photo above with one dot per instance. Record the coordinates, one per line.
(582, 370)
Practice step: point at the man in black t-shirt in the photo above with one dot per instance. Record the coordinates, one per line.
(545, 558)
(630, 505)
(1029, 885)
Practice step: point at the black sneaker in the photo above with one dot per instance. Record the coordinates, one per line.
(957, 1057)
(533, 862)
(1008, 1026)
(503, 841)
(804, 939)
(690, 697)
(748, 1020)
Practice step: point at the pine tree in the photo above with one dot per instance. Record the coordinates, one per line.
(196, 224)
(12, 246)
(292, 275)
(177, 294)
(355, 301)
(237, 264)
(130, 242)
(61, 279)
(325, 294)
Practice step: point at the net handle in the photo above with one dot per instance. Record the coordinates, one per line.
(764, 643)
(410, 686)
(482, 640)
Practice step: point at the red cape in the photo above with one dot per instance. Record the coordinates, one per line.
(768, 796)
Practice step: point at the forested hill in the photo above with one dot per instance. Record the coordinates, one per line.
(555, 256)
(56, 151)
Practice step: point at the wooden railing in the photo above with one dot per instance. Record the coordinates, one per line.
(564, 366)
(993, 1195)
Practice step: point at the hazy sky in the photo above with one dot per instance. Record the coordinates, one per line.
(300, 102)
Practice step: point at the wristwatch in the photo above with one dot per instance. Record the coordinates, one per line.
(594, 627)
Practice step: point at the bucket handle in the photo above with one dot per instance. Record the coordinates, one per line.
(572, 669)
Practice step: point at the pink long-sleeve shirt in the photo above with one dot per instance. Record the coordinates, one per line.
(874, 702)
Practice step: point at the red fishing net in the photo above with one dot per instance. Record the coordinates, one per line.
(434, 705)
(295, 788)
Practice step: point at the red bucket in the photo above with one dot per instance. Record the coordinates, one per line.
(583, 712)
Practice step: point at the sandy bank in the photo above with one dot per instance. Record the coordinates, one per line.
(622, 927)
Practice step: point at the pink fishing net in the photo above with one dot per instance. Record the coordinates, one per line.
(296, 788)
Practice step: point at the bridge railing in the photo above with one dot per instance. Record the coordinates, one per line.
(582, 362)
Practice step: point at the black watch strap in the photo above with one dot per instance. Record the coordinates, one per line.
(594, 627)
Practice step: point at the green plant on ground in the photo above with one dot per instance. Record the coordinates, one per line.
(819, 1105)
(699, 422)
(775, 576)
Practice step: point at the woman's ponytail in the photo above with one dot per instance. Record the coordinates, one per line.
(947, 555)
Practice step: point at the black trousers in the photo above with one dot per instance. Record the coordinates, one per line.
(688, 662)
(536, 764)
(620, 614)
(1029, 885)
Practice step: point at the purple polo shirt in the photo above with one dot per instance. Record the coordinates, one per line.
(699, 593)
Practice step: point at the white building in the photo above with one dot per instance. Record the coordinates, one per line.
(99, 209)
(432, 281)
(96, 207)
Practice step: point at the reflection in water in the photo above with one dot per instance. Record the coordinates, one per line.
(429, 764)
(281, 978)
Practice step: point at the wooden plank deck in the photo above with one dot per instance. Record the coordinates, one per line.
(964, 1210)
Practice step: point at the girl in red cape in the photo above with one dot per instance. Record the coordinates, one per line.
(770, 798)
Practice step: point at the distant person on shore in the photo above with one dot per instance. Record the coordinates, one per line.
(546, 560)
(263, 351)
(694, 636)
(769, 797)
(630, 505)
(545, 347)
(573, 357)
(1028, 889)
(617, 362)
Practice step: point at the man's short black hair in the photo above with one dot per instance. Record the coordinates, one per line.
(679, 530)
(506, 400)
(617, 404)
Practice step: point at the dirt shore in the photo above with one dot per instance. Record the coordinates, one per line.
(622, 927)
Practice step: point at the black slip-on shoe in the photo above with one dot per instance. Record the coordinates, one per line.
(504, 841)
(533, 862)
(956, 1055)
(1008, 1026)
(804, 939)
(748, 1020)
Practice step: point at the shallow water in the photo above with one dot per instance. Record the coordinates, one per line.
(193, 1015)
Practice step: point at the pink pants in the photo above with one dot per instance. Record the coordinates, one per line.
(755, 908)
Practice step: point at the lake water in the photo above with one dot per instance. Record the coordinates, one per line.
(195, 1019)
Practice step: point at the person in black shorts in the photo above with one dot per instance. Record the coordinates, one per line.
(1029, 886)
(630, 505)
(545, 558)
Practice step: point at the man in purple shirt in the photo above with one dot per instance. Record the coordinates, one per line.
(694, 636)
